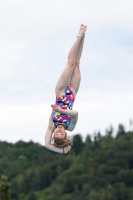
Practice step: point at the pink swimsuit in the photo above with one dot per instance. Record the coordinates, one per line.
(65, 101)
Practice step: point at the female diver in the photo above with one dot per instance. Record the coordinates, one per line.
(63, 117)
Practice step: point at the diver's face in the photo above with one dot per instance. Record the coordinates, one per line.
(60, 132)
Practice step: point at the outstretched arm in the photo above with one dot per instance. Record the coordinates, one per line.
(48, 137)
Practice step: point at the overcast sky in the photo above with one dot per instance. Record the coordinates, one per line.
(35, 38)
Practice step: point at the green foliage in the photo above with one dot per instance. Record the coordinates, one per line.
(4, 188)
(99, 169)
(121, 130)
(78, 144)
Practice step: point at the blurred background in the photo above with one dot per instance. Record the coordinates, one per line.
(35, 38)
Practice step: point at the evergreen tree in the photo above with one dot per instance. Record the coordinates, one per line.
(78, 144)
(121, 130)
(4, 189)
(131, 124)
(109, 131)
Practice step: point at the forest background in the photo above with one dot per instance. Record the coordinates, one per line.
(96, 169)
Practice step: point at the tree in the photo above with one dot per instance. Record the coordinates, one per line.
(88, 140)
(93, 195)
(109, 131)
(78, 144)
(131, 124)
(121, 130)
(31, 196)
(4, 189)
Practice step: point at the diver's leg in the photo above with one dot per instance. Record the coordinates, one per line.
(81, 48)
(76, 77)
(67, 73)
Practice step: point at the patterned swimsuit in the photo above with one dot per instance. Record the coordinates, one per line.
(65, 101)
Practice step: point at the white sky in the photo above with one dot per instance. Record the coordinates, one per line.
(35, 37)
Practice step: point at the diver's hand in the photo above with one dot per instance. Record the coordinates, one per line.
(56, 108)
(66, 149)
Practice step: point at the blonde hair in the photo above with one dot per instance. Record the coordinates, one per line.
(61, 142)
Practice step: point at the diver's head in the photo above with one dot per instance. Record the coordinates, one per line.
(60, 136)
(60, 132)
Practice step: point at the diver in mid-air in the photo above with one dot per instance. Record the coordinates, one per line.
(63, 117)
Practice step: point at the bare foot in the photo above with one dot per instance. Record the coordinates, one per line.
(82, 30)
